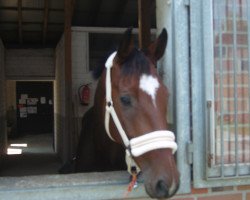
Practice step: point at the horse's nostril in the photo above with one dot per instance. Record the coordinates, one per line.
(161, 189)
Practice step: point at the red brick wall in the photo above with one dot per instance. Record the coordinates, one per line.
(218, 193)
(231, 78)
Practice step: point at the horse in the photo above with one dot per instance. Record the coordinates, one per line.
(129, 112)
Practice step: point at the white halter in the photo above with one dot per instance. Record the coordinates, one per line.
(139, 145)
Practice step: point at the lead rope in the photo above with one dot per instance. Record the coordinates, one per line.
(131, 185)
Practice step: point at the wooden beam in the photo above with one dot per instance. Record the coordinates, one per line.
(20, 19)
(68, 78)
(45, 20)
(144, 22)
(14, 8)
(67, 38)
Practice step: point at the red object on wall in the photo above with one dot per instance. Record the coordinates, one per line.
(84, 94)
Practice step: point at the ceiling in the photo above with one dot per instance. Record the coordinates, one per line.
(40, 23)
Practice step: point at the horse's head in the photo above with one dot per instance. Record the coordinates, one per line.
(139, 99)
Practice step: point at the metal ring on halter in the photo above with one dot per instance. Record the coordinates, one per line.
(109, 103)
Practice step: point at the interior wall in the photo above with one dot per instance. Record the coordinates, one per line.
(3, 132)
(30, 64)
(11, 94)
(81, 75)
(11, 107)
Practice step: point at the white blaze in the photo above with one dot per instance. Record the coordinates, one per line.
(150, 85)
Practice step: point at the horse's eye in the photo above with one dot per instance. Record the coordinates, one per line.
(126, 100)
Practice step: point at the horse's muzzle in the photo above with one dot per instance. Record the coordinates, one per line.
(161, 189)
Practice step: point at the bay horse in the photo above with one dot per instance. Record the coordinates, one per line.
(130, 108)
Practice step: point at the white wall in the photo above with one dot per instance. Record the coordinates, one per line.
(3, 131)
(30, 64)
(80, 76)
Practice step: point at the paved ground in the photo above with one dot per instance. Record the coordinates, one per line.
(36, 159)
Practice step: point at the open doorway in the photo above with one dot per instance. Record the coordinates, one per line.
(30, 120)
(34, 102)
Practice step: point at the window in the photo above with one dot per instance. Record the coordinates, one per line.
(225, 105)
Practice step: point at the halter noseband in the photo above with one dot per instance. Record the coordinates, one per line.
(142, 144)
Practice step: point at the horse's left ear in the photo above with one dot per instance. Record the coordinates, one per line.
(157, 48)
(126, 46)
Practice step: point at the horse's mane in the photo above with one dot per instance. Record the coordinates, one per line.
(135, 63)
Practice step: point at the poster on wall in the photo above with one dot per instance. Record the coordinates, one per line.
(23, 112)
(23, 115)
(32, 101)
(23, 109)
(24, 96)
(43, 100)
(32, 110)
(22, 101)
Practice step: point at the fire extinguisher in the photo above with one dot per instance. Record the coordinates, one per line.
(84, 94)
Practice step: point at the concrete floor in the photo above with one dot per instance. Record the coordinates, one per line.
(36, 159)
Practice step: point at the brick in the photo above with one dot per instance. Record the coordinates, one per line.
(228, 39)
(242, 105)
(218, 51)
(241, 52)
(248, 196)
(242, 39)
(222, 197)
(244, 118)
(199, 191)
(228, 78)
(229, 118)
(220, 189)
(244, 187)
(240, 24)
(240, 92)
(182, 198)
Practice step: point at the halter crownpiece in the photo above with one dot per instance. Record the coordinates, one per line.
(139, 145)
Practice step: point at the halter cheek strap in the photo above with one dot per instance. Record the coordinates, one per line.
(139, 145)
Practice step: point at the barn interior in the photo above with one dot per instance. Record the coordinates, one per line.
(48, 49)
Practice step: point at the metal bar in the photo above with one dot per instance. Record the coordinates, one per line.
(107, 30)
(45, 20)
(68, 76)
(14, 8)
(220, 4)
(180, 52)
(248, 39)
(235, 59)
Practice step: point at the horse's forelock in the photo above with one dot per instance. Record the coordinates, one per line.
(136, 64)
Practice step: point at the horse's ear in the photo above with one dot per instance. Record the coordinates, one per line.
(157, 48)
(126, 46)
